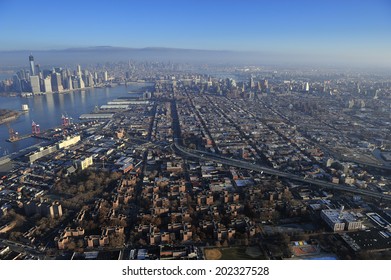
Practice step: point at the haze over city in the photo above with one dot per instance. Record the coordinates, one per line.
(195, 130)
(341, 33)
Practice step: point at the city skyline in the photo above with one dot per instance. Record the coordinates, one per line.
(195, 131)
(289, 164)
(348, 32)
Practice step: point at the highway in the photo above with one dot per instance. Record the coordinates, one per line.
(246, 165)
(326, 149)
(21, 248)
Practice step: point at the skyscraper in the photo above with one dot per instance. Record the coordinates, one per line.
(252, 85)
(56, 82)
(47, 83)
(35, 86)
(32, 66)
(307, 87)
(38, 71)
(69, 83)
(79, 71)
(65, 78)
(89, 80)
(265, 84)
(17, 84)
(81, 82)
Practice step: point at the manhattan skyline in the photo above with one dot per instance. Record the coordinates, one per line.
(195, 130)
(331, 32)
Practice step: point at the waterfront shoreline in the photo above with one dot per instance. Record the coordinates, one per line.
(46, 110)
(6, 119)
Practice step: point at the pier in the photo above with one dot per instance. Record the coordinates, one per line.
(16, 138)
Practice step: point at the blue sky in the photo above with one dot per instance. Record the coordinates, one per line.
(327, 28)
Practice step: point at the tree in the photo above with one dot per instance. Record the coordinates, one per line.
(287, 196)
(81, 188)
(115, 176)
(157, 221)
(71, 245)
(89, 184)
(80, 243)
(117, 240)
(19, 219)
(15, 235)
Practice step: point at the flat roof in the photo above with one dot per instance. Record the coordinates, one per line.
(337, 217)
(96, 116)
(370, 239)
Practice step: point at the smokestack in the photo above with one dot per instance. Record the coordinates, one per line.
(341, 212)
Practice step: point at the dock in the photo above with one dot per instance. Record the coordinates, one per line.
(42, 136)
(18, 138)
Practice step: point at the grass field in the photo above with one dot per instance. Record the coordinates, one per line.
(212, 254)
(234, 253)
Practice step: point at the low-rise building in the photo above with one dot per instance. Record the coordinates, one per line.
(43, 151)
(69, 141)
(84, 163)
(339, 220)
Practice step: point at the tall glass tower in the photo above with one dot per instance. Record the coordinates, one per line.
(32, 66)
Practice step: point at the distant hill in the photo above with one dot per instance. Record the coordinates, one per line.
(102, 54)
(108, 53)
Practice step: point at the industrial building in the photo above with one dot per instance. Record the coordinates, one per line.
(43, 151)
(340, 220)
(96, 116)
(69, 141)
(83, 163)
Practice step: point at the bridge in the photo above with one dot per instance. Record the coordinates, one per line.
(250, 166)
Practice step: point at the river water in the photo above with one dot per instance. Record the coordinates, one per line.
(46, 110)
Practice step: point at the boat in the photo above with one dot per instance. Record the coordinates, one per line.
(25, 107)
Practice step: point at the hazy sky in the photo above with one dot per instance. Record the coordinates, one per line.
(357, 29)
